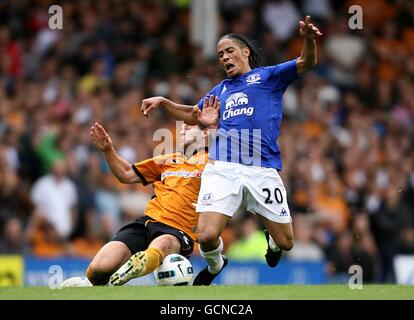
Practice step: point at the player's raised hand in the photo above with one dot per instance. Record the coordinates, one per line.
(149, 104)
(308, 29)
(100, 137)
(209, 116)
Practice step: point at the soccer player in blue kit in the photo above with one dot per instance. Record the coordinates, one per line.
(245, 158)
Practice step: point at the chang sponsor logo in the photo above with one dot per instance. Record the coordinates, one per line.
(237, 104)
(236, 99)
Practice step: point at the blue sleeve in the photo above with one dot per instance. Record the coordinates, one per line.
(213, 91)
(283, 74)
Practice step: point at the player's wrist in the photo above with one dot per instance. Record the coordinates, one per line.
(212, 126)
(165, 103)
(108, 149)
(309, 38)
(204, 126)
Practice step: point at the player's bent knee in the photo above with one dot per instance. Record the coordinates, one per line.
(166, 244)
(208, 236)
(289, 245)
(97, 276)
(286, 243)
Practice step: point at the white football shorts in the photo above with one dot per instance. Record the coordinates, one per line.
(229, 188)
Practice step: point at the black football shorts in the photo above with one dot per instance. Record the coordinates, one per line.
(138, 235)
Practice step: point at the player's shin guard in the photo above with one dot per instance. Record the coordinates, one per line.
(214, 258)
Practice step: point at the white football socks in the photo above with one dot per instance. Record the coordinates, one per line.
(214, 259)
(273, 246)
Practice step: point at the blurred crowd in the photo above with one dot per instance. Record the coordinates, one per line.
(346, 138)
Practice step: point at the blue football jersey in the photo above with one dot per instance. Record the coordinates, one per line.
(250, 115)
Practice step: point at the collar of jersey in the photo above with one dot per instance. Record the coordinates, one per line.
(199, 150)
(240, 77)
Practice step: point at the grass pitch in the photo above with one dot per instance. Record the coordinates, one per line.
(284, 292)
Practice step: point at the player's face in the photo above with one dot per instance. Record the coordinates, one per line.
(235, 60)
(190, 135)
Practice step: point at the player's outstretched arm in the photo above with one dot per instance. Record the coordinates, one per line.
(120, 167)
(308, 57)
(182, 112)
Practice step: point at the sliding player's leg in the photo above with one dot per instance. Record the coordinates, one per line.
(108, 259)
(164, 240)
(129, 239)
(146, 261)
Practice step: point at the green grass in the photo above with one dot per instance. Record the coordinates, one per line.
(288, 292)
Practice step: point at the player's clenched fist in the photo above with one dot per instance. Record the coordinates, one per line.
(100, 137)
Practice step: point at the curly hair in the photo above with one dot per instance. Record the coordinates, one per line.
(255, 58)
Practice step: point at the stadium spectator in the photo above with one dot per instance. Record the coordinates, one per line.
(107, 205)
(346, 254)
(14, 195)
(12, 240)
(54, 197)
(387, 224)
(305, 248)
(281, 16)
(44, 239)
(87, 244)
